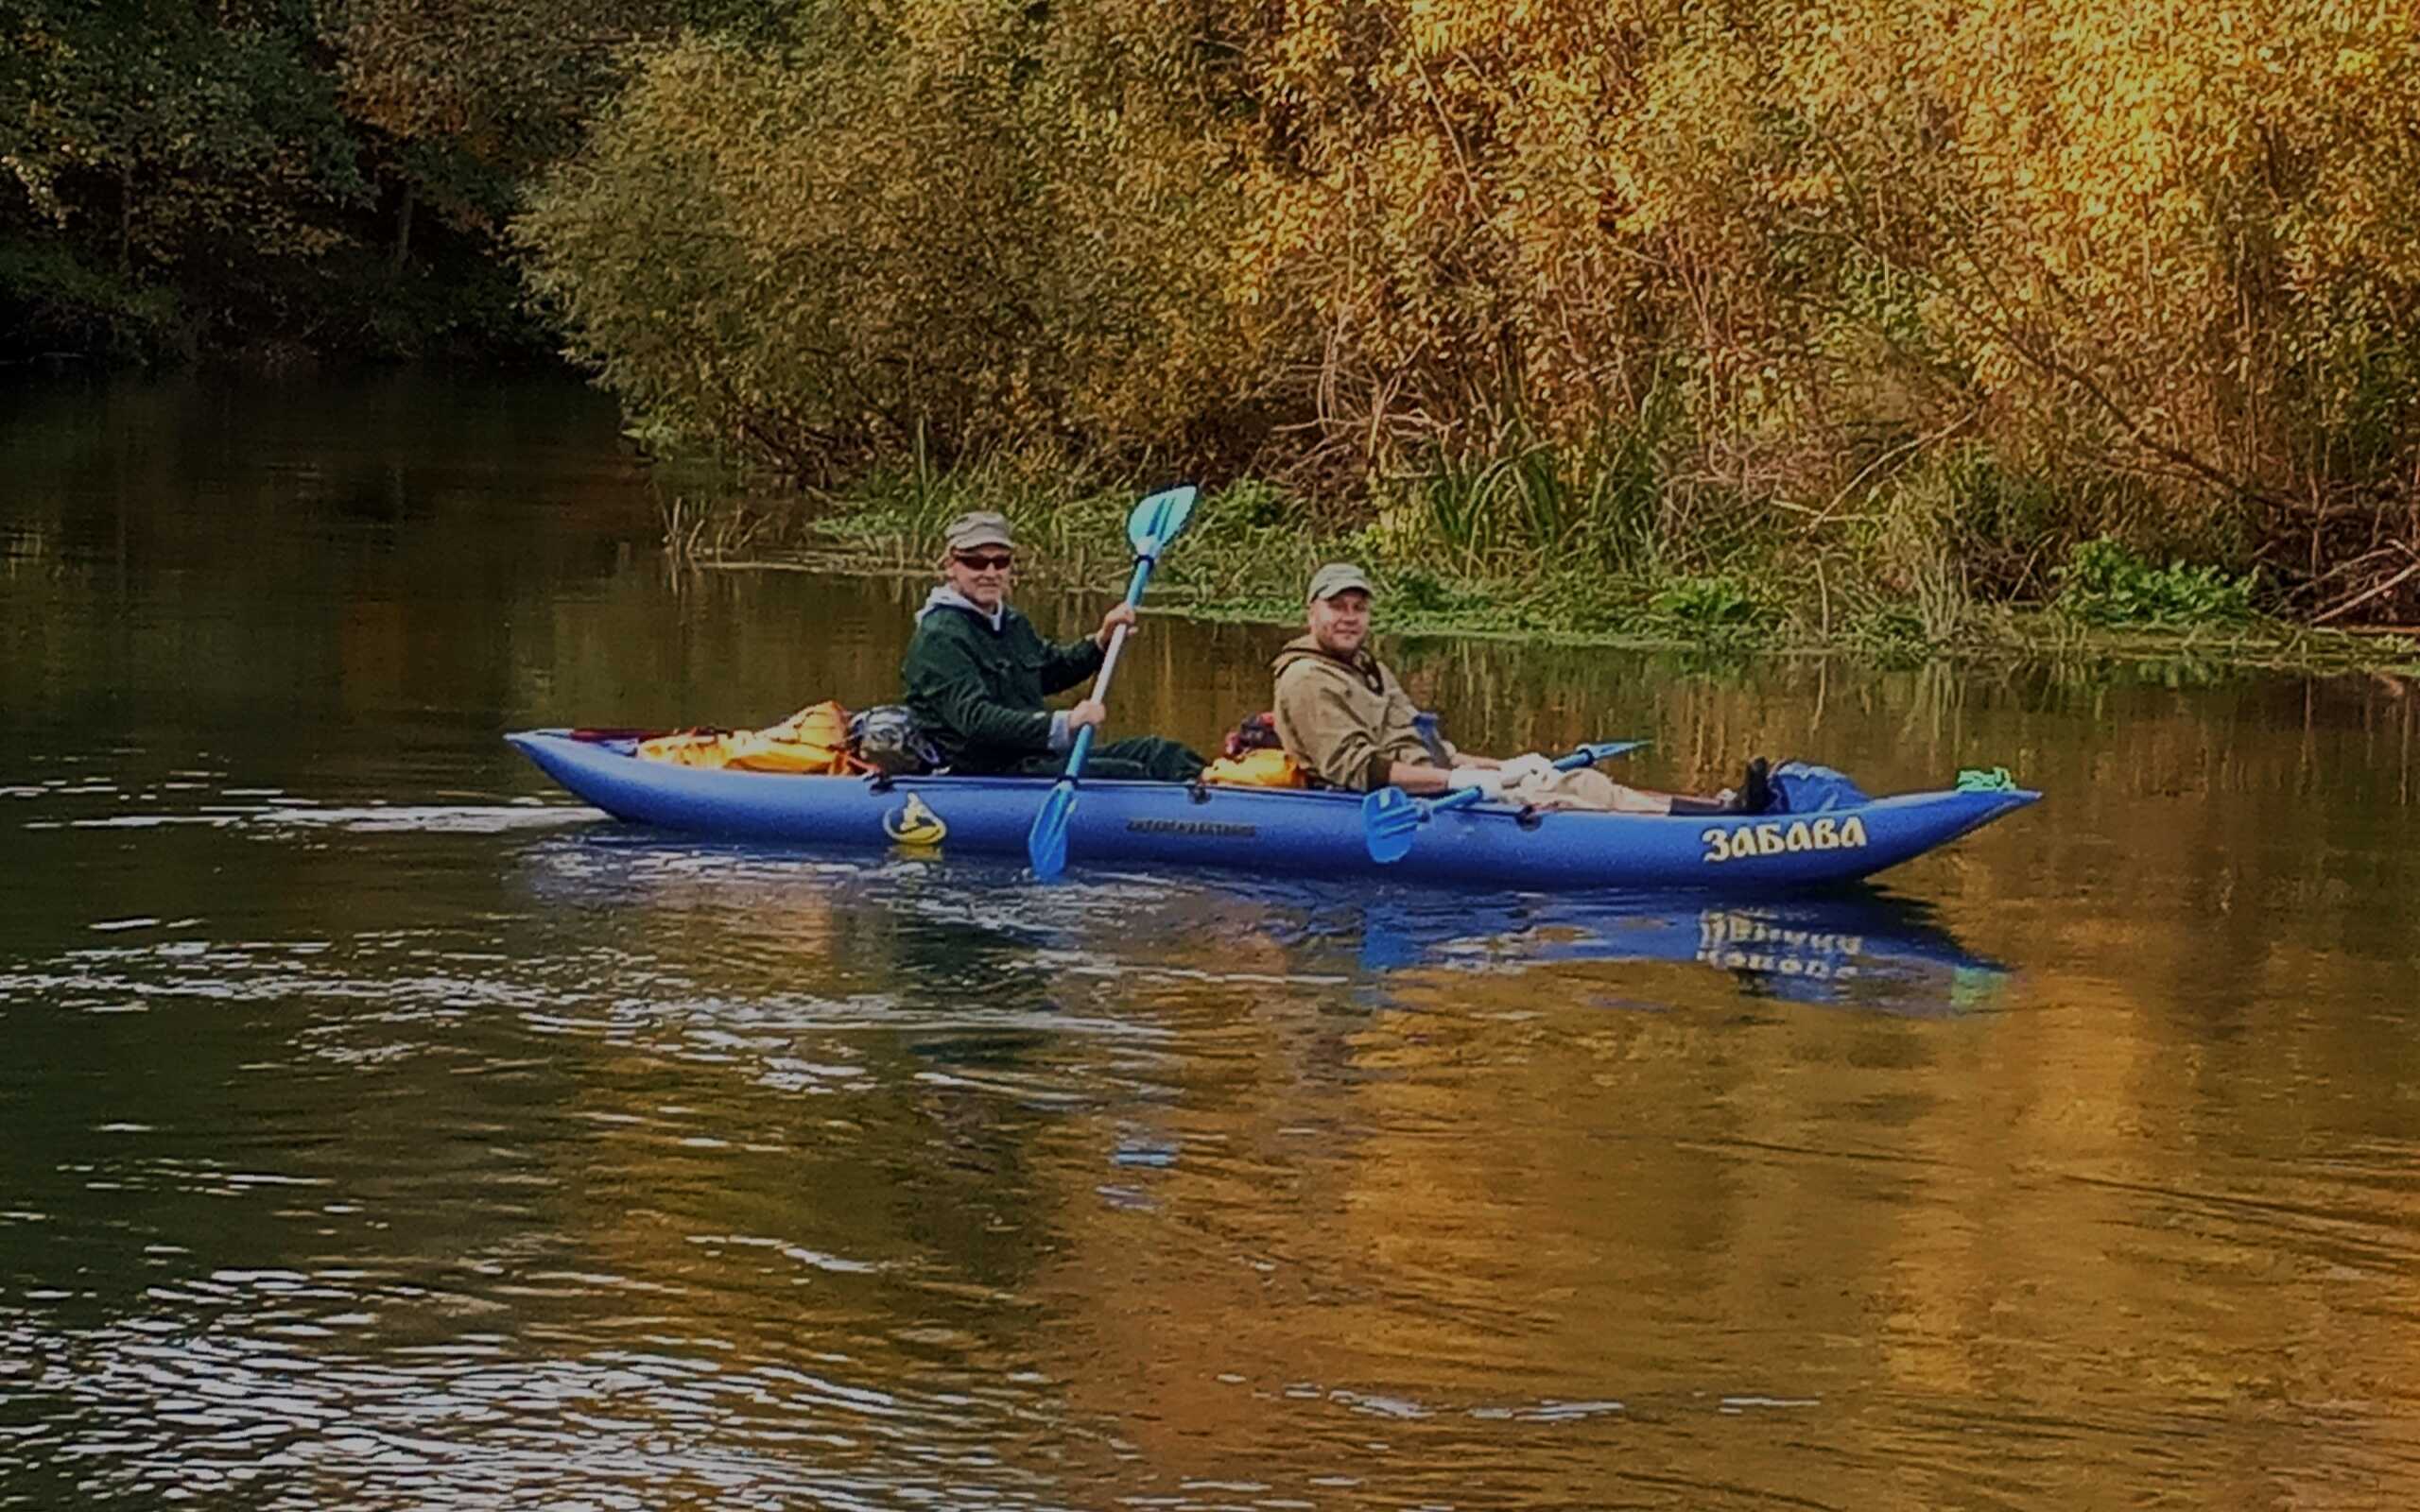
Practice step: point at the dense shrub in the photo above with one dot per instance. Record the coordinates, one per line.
(2104, 583)
(1554, 278)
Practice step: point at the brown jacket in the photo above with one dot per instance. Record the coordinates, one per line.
(1347, 721)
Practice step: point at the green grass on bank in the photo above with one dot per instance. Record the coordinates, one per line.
(1251, 545)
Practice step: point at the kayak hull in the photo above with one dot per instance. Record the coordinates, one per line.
(1271, 831)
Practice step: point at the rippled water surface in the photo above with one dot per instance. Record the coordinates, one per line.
(385, 1130)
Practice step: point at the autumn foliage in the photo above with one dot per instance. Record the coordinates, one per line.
(1977, 278)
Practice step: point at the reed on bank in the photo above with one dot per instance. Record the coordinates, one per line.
(1252, 544)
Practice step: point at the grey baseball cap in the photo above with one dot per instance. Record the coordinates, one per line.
(980, 527)
(1335, 579)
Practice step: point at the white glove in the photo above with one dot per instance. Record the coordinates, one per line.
(1527, 766)
(1487, 779)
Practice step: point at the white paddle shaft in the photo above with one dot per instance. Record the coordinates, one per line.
(1108, 664)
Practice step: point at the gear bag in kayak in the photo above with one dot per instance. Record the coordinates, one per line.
(888, 739)
(813, 742)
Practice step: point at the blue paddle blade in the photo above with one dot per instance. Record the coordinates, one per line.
(1046, 844)
(1157, 519)
(1388, 818)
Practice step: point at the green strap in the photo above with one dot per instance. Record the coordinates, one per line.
(1985, 779)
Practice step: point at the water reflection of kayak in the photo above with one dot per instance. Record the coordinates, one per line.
(1859, 946)
(1162, 824)
(961, 932)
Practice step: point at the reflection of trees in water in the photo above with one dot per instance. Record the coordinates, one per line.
(933, 1023)
(981, 1201)
(1486, 1197)
(1486, 1202)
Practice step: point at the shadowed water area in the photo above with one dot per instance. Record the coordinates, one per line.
(387, 1130)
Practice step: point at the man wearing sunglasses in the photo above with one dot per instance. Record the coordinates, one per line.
(976, 673)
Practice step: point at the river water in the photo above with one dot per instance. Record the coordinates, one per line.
(386, 1131)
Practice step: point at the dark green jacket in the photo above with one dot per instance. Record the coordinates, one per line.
(977, 692)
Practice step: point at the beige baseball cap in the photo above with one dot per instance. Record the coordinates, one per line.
(978, 527)
(1335, 579)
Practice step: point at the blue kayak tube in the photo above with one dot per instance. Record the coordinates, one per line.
(1273, 831)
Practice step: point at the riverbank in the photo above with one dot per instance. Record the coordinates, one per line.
(1251, 546)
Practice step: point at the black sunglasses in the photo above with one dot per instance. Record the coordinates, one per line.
(994, 562)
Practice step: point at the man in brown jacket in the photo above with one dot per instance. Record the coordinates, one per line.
(1341, 712)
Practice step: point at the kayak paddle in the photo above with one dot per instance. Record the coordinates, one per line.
(1390, 816)
(1154, 522)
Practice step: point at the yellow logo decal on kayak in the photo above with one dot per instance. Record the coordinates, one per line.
(912, 823)
(1774, 837)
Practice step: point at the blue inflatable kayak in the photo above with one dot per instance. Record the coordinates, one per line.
(1272, 831)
